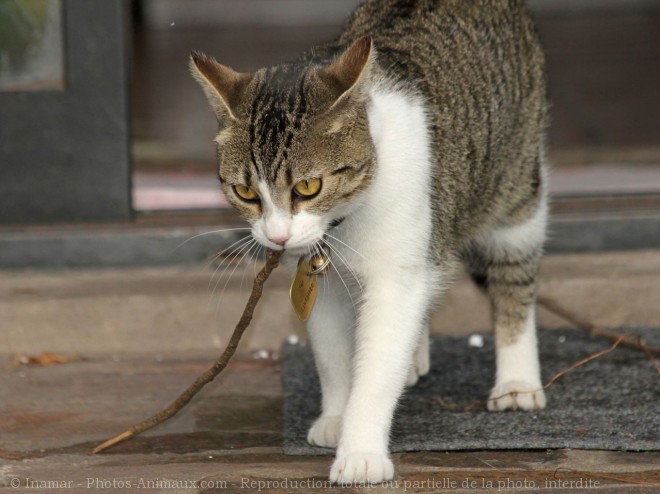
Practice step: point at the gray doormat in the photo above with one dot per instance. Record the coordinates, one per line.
(612, 403)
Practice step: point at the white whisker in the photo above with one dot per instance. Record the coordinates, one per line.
(256, 259)
(241, 243)
(319, 251)
(344, 243)
(209, 233)
(216, 256)
(341, 278)
(343, 259)
(252, 246)
(253, 258)
(232, 256)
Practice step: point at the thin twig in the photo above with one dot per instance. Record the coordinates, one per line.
(584, 361)
(473, 404)
(630, 340)
(574, 366)
(633, 341)
(272, 261)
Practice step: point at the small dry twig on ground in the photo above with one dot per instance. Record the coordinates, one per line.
(630, 340)
(477, 403)
(574, 366)
(585, 361)
(272, 261)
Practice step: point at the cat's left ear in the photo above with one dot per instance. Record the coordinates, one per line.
(223, 86)
(348, 74)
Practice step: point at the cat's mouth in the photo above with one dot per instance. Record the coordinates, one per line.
(308, 248)
(301, 245)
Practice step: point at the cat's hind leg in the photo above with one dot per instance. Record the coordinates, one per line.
(504, 262)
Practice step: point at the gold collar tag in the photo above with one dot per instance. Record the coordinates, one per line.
(304, 287)
(303, 290)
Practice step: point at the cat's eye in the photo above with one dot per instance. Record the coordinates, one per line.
(307, 189)
(245, 193)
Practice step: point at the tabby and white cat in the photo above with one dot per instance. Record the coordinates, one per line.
(412, 143)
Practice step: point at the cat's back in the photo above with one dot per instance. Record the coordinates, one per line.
(437, 42)
(418, 24)
(479, 67)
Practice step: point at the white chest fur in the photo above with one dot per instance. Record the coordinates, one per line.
(393, 224)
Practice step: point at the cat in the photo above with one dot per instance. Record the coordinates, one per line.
(412, 144)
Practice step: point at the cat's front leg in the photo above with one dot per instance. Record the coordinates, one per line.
(421, 362)
(387, 333)
(330, 329)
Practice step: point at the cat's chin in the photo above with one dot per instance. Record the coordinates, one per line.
(298, 251)
(295, 251)
(303, 247)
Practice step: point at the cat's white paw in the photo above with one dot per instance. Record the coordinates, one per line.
(325, 432)
(421, 363)
(361, 467)
(516, 395)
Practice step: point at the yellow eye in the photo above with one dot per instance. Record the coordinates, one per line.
(307, 188)
(245, 193)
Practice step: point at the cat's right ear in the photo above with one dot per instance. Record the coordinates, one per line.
(223, 86)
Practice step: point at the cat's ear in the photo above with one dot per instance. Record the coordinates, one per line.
(223, 86)
(347, 75)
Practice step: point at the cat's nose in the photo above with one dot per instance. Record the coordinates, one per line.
(279, 240)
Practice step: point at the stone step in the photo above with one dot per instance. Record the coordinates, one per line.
(176, 310)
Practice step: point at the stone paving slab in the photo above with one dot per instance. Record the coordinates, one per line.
(229, 439)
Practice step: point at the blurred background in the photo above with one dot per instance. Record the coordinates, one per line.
(103, 131)
(603, 66)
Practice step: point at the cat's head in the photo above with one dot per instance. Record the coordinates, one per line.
(294, 148)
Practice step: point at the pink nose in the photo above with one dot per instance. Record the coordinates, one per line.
(279, 241)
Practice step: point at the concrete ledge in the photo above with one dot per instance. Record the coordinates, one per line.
(135, 245)
(175, 310)
(598, 233)
(100, 246)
